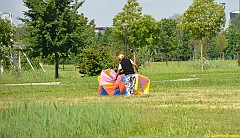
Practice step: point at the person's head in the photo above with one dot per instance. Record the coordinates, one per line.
(120, 56)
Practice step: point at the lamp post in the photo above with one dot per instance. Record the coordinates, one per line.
(223, 4)
(125, 25)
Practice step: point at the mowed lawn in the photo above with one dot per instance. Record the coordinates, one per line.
(183, 102)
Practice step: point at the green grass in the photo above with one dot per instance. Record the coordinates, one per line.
(207, 106)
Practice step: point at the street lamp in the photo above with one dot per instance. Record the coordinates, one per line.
(223, 4)
(125, 25)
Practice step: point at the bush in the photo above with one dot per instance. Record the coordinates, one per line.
(93, 60)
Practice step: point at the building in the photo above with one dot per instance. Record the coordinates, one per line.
(233, 14)
(100, 29)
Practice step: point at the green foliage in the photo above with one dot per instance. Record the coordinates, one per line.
(143, 54)
(221, 45)
(55, 28)
(130, 14)
(233, 38)
(185, 50)
(168, 40)
(5, 62)
(25, 65)
(142, 29)
(204, 18)
(93, 60)
(6, 41)
(108, 40)
(6, 32)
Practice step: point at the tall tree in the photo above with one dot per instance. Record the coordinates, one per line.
(233, 33)
(233, 38)
(204, 18)
(56, 28)
(130, 14)
(168, 39)
(142, 28)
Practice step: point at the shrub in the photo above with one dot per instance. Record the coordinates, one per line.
(93, 60)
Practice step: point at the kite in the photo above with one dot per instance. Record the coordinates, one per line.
(107, 85)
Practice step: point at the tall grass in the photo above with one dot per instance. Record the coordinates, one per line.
(66, 120)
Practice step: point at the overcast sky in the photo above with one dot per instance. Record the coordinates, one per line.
(103, 11)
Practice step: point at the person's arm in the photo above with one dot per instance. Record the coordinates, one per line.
(118, 72)
(135, 65)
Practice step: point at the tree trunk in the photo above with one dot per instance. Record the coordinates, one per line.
(56, 65)
(202, 64)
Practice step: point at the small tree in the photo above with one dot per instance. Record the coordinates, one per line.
(221, 44)
(204, 18)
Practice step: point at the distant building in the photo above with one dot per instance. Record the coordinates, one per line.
(233, 14)
(100, 29)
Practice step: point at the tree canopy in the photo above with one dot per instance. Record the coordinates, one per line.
(204, 18)
(55, 28)
(142, 28)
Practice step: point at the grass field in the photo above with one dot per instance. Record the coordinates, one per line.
(183, 102)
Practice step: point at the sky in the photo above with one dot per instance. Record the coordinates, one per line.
(103, 11)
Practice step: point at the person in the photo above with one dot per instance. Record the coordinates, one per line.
(127, 66)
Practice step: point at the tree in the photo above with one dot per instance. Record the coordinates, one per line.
(221, 44)
(6, 41)
(55, 28)
(130, 14)
(168, 39)
(142, 28)
(233, 37)
(204, 18)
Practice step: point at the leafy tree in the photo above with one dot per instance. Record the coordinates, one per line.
(130, 14)
(185, 49)
(204, 18)
(221, 45)
(142, 28)
(108, 40)
(233, 36)
(168, 39)
(55, 28)
(6, 41)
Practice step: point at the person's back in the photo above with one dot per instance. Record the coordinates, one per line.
(127, 66)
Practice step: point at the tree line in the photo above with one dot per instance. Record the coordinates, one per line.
(54, 32)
